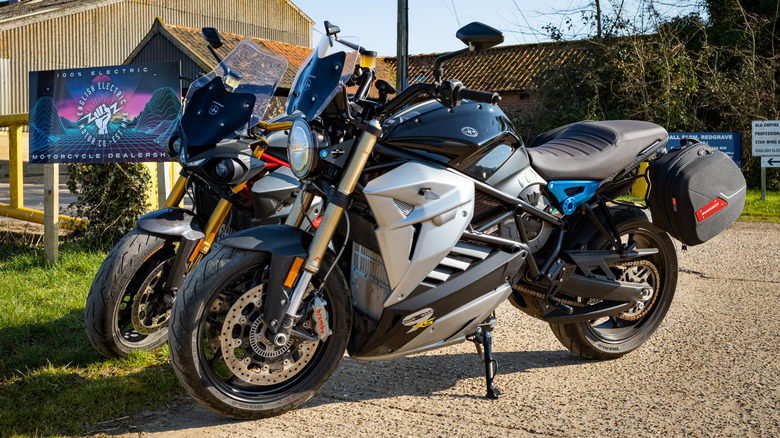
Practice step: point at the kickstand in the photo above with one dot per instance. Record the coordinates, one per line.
(484, 339)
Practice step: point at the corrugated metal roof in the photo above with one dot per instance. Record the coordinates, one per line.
(26, 11)
(519, 68)
(32, 8)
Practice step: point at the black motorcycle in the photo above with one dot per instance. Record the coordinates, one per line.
(436, 214)
(233, 167)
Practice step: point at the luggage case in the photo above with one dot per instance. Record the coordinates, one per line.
(696, 192)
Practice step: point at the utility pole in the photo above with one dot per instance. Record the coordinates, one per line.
(402, 51)
(598, 19)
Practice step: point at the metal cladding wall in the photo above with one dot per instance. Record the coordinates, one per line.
(5, 86)
(105, 32)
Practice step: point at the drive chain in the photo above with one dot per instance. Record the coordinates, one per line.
(527, 291)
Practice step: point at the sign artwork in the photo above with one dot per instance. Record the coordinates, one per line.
(123, 113)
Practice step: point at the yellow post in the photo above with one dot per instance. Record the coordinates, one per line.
(151, 193)
(639, 189)
(15, 156)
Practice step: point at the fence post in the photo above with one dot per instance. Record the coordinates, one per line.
(51, 216)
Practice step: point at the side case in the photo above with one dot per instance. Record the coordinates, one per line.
(696, 192)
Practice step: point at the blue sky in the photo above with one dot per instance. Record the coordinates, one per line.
(433, 23)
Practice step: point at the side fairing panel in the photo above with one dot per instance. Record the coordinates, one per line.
(421, 212)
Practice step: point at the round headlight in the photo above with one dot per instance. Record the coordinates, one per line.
(174, 146)
(226, 170)
(222, 169)
(300, 148)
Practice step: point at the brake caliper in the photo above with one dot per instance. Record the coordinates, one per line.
(320, 317)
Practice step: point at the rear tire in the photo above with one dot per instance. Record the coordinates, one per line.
(610, 338)
(140, 261)
(220, 303)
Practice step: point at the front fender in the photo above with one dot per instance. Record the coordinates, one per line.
(284, 243)
(173, 221)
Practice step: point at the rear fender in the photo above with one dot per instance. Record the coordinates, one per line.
(284, 243)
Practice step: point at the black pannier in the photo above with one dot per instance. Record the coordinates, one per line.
(696, 192)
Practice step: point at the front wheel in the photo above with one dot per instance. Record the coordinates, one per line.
(127, 309)
(220, 346)
(615, 336)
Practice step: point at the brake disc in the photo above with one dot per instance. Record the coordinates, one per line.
(149, 312)
(248, 352)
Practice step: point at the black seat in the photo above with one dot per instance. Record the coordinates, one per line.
(594, 151)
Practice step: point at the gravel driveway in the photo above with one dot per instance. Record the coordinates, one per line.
(712, 369)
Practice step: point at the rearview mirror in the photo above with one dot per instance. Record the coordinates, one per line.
(480, 36)
(213, 37)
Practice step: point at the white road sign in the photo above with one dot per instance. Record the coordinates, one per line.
(770, 161)
(766, 138)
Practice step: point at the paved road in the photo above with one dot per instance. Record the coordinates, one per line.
(712, 369)
(33, 196)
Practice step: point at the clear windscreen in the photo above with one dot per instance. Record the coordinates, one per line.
(328, 67)
(246, 69)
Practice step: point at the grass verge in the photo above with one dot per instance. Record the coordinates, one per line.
(52, 382)
(755, 209)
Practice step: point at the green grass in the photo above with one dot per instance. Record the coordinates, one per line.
(755, 209)
(52, 382)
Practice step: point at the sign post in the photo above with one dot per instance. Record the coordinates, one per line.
(766, 144)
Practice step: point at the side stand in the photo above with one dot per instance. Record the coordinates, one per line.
(484, 339)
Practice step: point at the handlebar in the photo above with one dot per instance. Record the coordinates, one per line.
(478, 96)
(451, 92)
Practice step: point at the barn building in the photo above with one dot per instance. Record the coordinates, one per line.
(59, 34)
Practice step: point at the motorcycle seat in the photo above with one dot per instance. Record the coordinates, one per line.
(594, 151)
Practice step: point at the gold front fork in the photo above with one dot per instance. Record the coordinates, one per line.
(177, 192)
(327, 227)
(216, 220)
(218, 217)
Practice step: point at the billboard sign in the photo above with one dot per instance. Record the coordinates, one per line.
(117, 114)
(728, 142)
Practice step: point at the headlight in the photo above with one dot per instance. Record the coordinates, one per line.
(227, 170)
(174, 146)
(300, 148)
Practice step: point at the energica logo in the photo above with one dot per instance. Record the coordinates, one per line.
(468, 131)
(420, 319)
(100, 121)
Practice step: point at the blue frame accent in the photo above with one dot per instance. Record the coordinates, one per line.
(569, 204)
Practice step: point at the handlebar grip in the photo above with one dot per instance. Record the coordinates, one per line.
(479, 96)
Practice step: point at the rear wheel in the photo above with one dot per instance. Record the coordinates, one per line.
(127, 308)
(615, 336)
(220, 346)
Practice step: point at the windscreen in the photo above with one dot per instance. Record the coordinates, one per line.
(329, 66)
(247, 69)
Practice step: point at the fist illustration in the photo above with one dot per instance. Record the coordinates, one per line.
(102, 116)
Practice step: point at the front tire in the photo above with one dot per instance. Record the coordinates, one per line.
(615, 336)
(129, 282)
(219, 306)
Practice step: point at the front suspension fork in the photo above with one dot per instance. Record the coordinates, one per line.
(327, 226)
